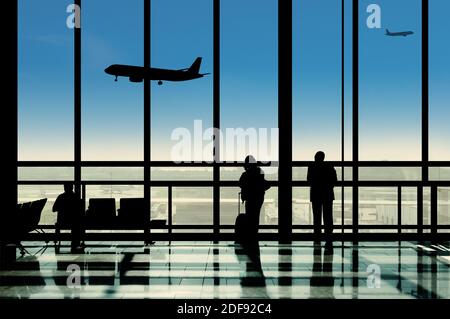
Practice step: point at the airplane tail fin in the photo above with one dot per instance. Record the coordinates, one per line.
(195, 67)
(387, 32)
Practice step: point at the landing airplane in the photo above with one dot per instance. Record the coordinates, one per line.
(398, 34)
(139, 73)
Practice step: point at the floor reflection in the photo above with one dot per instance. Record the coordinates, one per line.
(249, 256)
(225, 270)
(322, 281)
(29, 283)
(70, 275)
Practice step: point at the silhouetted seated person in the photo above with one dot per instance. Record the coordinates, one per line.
(69, 216)
(322, 178)
(253, 187)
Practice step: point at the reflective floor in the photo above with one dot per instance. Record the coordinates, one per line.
(206, 270)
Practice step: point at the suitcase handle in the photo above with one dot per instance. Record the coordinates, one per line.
(239, 203)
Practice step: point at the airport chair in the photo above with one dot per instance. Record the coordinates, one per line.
(131, 213)
(101, 212)
(27, 220)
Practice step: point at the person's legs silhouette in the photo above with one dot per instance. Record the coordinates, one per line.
(317, 218)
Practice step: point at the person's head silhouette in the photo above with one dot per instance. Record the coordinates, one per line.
(319, 157)
(68, 187)
(250, 161)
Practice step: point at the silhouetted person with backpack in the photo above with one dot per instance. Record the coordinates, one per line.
(322, 178)
(253, 187)
(68, 207)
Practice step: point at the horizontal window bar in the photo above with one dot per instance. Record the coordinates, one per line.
(235, 183)
(229, 164)
(275, 227)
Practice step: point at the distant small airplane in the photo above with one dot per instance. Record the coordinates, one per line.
(398, 34)
(139, 73)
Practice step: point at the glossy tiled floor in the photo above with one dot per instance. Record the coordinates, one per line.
(205, 270)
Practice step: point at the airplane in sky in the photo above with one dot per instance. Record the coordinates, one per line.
(139, 73)
(398, 34)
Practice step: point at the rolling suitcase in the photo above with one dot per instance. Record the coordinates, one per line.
(241, 224)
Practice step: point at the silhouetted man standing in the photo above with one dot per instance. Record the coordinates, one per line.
(322, 178)
(68, 207)
(253, 187)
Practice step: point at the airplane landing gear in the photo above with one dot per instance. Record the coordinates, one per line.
(159, 82)
(115, 80)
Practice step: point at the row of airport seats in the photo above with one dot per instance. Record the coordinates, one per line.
(101, 214)
(26, 219)
(28, 215)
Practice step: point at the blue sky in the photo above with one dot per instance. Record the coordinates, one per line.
(390, 83)
(317, 78)
(112, 123)
(439, 80)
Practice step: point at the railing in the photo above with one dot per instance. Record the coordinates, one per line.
(420, 185)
